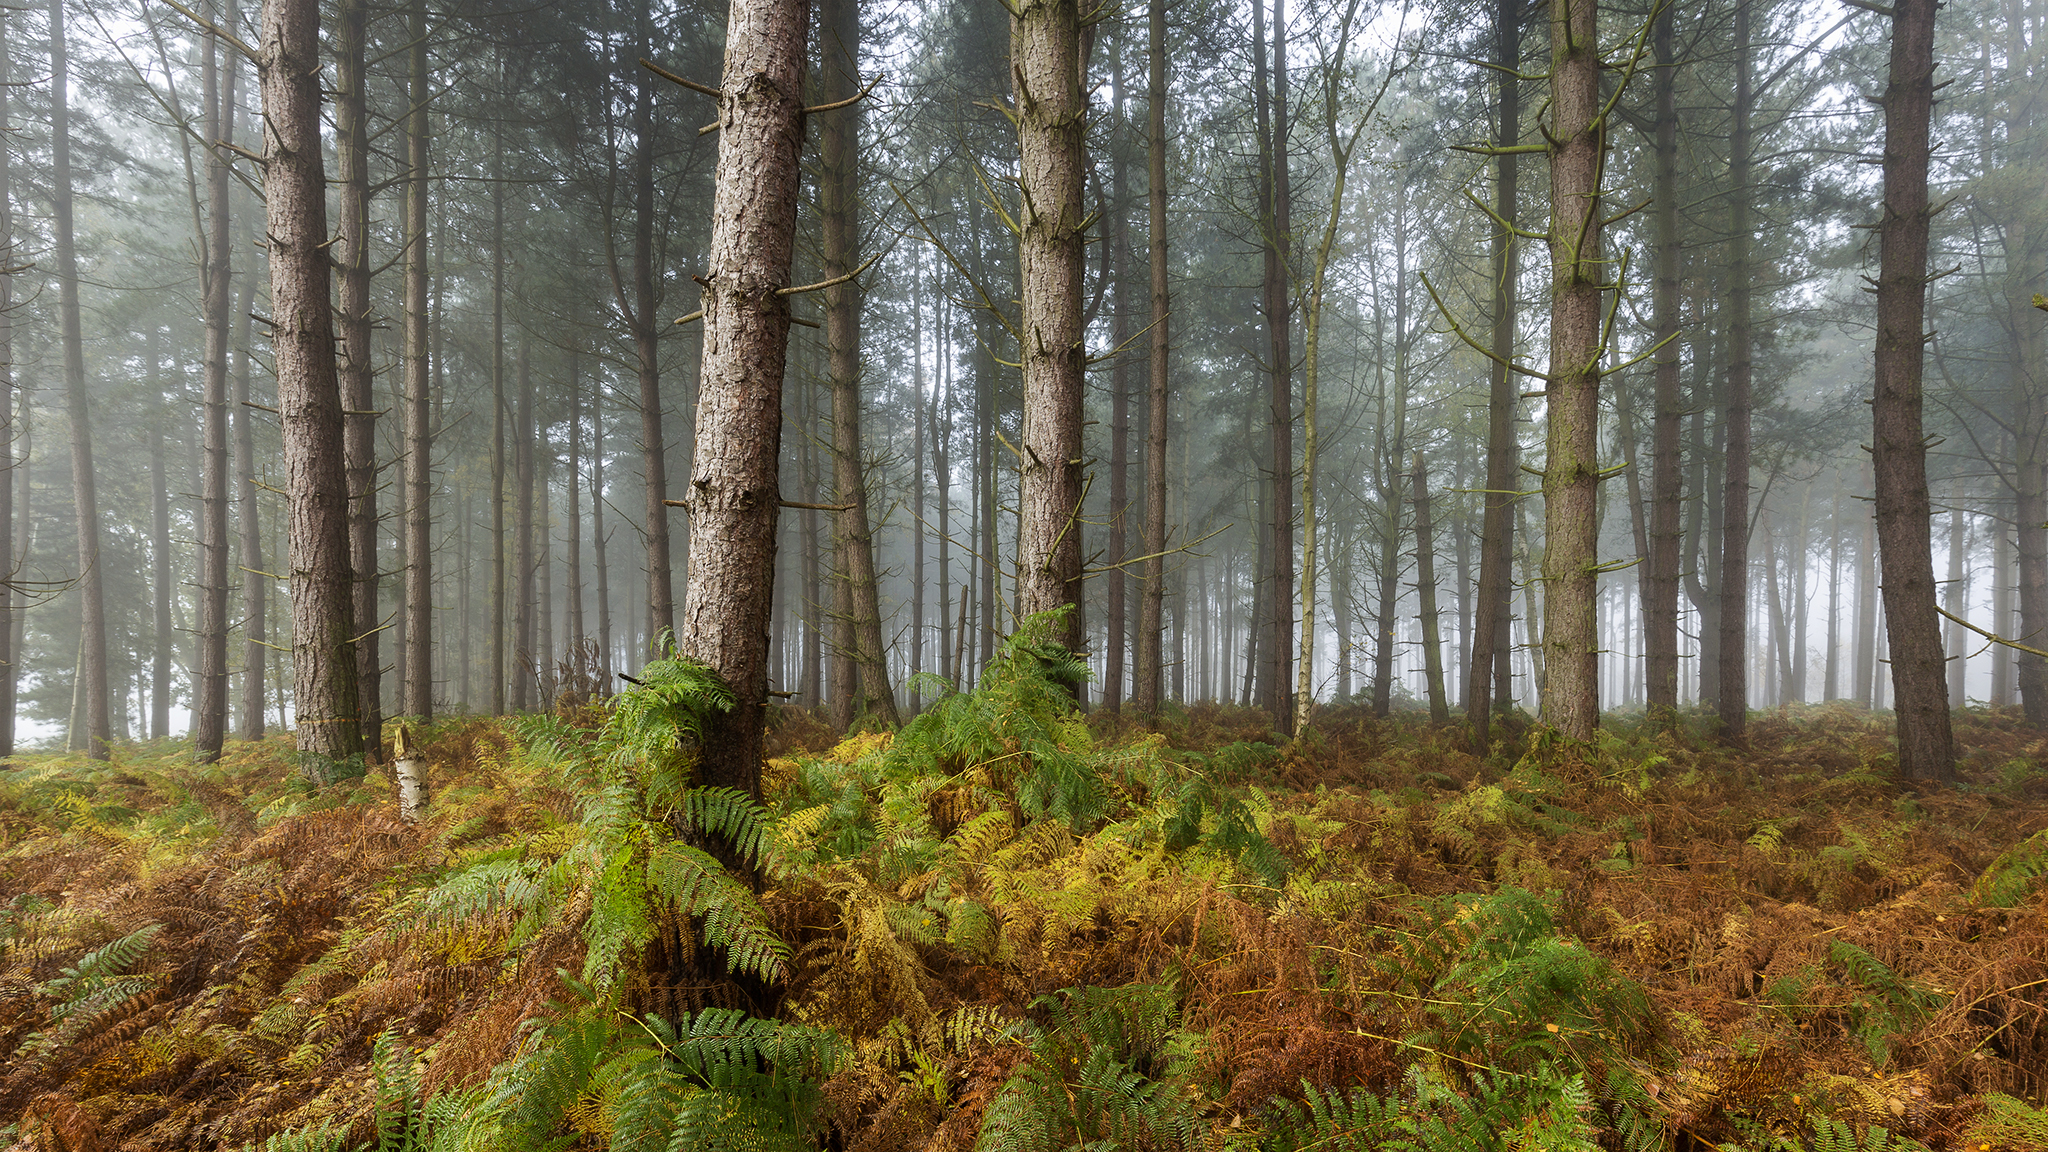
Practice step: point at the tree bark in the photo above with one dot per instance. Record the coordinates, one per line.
(1276, 642)
(328, 725)
(1493, 614)
(1578, 152)
(861, 668)
(526, 659)
(210, 702)
(499, 663)
(646, 329)
(356, 369)
(249, 523)
(1115, 611)
(1051, 113)
(1733, 698)
(10, 614)
(1661, 576)
(1425, 586)
(92, 641)
(418, 687)
(1147, 674)
(1866, 608)
(734, 498)
(1926, 747)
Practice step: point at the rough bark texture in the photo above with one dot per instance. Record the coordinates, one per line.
(1276, 641)
(1493, 615)
(861, 670)
(328, 723)
(210, 703)
(1051, 109)
(1571, 697)
(249, 525)
(1733, 698)
(9, 615)
(417, 692)
(1660, 574)
(1115, 610)
(92, 640)
(734, 497)
(1145, 683)
(1898, 449)
(1425, 587)
(356, 369)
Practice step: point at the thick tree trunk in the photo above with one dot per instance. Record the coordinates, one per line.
(862, 671)
(1485, 672)
(92, 613)
(1660, 574)
(1734, 690)
(356, 369)
(1571, 697)
(210, 696)
(734, 498)
(1898, 447)
(328, 725)
(418, 687)
(1148, 672)
(1052, 109)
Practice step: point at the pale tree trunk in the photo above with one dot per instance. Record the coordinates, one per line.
(328, 723)
(1486, 672)
(1571, 697)
(356, 369)
(734, 498)
(1147, 674)
(10, 673)
(1425, 587)
(417, 691)
(1116, 623)
(498, 552)
(1734, 690)
(1957, 596)
(1051, 113)
(1660, 574)
(526, 659)
(249, 524)
(1926, 747)
(92, 613)
(861, 669)
(210, 703)
(1866, 608)
(1831, 669)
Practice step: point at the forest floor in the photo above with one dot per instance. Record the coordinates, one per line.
(1009, 927)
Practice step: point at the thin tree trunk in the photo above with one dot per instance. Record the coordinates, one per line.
(92, 657)
(1866, 608)
(862, 671)
(356, 370)
(525, 659)
(646, 328)
(1831, 674)
(418, 428)
(1149, 669)
(1958, 598)
(1898, 446)
(255, 584)
(600, 542)
(1115, 629)
(160, 578)
(498, 542)
(10, 613)
(1425, 586)
(210, 703)
(2001, 612)
(1275, 692)
(328, 721)
(1660, 573)
(573, 610)
(1571, 697)
(1485, 673)
(734, 498)
(1052, 113)
(1734, 689)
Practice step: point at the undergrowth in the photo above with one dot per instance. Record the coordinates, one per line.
(1012, 927)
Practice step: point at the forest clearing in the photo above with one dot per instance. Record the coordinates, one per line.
(1007, 927)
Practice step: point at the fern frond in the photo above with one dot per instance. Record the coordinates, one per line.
(2016, 872)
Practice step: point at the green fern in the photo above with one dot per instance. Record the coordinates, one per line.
(93, 990)
(1109, 1071)
(1893, 1005)
(327, 1137)
(2015, 874)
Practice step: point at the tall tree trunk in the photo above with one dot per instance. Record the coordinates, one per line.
(2002, 561)
(918, 624)
(1425, 586)
(1660, 574)
(573, 574)
(1116, 631)
(418, 429)
(599, 542)
(255, 584)
(526, 658)
(328, 723)
(1957, 595)
(734, 498)
(160, 577)
(1485, 672)
(499, 558)
(210, 703)
(356, 370)
(1734, 690)
(863, 687)
(1571, 528)
(1831, 672)
(1898, 447)
(646, 329)
(10, 613)
(1148, 673)
(92, 613)
(1866, 608)
(1276, 644)
(1052, 111)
